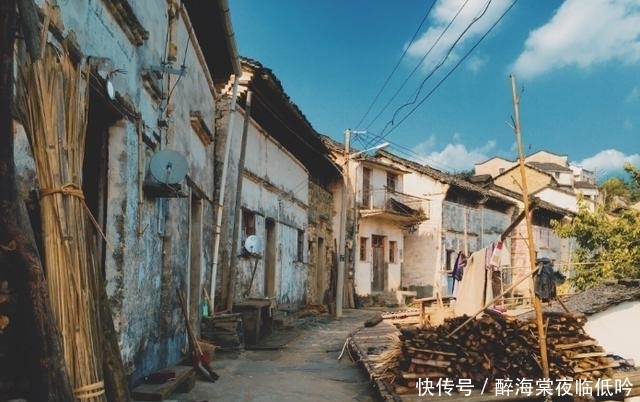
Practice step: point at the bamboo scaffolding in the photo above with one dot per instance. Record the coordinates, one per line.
(54, 106)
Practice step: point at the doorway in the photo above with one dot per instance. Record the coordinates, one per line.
(270, 258)
(379, 279)
(95, 168)
(320, 270)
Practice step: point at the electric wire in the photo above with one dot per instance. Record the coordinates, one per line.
(417, 66)
(182, 68)
(384, 134)
(395, 68)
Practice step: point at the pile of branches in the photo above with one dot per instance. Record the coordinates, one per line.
(496, 346)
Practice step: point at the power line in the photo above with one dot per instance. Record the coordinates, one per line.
(414, 156)
(417, 65)
(428, 95)
(384, 85)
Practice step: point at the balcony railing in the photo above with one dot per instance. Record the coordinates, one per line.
(393, 204)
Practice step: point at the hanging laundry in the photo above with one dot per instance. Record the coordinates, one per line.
(458, 269)
(496, 256)
(546, 280)
(475, 289)
(488, 255)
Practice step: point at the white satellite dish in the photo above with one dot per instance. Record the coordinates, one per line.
(111, 91)
(253, 244)
(168, 167)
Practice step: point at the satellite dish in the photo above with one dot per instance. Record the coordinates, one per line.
(168, 167)
(111, 91)
(253, 244)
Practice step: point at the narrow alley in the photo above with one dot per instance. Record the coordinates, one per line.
(305, 369)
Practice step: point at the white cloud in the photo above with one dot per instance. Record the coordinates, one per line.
(475, 63)
(583, 34)
(609, 161)
(634, 94)
(441, 36)
(454, 157)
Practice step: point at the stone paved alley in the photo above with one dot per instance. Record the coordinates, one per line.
(305, 369)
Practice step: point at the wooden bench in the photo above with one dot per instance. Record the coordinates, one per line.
(433, 310)
(161, 384)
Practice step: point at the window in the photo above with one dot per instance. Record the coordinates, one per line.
(248, 223)
(450, 260)
(393, 251)
(364, 246)
(300, 245)
(392, 181)
(366, 187)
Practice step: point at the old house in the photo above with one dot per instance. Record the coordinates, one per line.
(549, 176)
(463, 218)
(546, 243)
(279, 178)
(154, 71)
(378, 213)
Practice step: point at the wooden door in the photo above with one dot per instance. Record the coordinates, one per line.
(378, 264)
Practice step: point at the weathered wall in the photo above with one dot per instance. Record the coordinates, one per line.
(150, 257)
(275, 186)
(469, 229)
(546, 244)
(321, 248)
(364, 269)
(423, 248)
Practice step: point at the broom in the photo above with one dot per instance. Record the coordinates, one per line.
(200, 360)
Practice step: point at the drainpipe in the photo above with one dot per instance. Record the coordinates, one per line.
(223, 185)
(228, 28)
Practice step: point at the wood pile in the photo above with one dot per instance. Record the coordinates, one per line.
(496, 346)
(226, 331)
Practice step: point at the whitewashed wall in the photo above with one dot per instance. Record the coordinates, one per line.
(145, 266)
(275, 186)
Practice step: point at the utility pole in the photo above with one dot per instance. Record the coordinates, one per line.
(346, 205)
(342, 245)
(542, 338)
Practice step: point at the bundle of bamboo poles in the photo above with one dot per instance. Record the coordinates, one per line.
(53, 104)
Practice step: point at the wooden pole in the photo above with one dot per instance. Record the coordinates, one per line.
(537, 304)
(237, 222)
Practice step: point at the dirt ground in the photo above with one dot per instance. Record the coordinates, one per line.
(299, 363)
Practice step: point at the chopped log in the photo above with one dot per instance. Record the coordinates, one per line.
(590, 342)
(431, 362)
(373, 321)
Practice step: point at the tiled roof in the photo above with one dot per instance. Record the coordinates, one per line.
(549, 167)
(584, 184)
(444, 177)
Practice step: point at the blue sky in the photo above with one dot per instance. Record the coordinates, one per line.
(447, 101)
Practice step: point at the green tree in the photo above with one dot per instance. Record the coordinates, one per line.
(608, 246)
(615, 190)
(634, 186)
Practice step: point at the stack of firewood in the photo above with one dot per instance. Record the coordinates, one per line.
(496, 346)
(576, 352)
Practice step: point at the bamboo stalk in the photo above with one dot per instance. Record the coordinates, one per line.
(54, 104)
